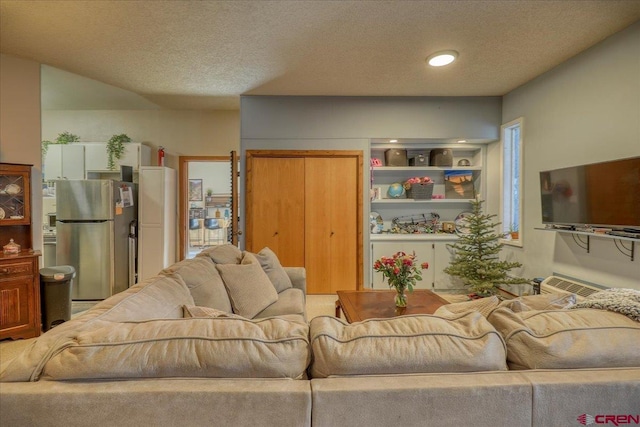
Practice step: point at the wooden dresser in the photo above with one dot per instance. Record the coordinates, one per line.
(19, 295)
(19, 273)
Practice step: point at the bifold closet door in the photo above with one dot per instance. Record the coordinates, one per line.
(331, 224)
(275, 208)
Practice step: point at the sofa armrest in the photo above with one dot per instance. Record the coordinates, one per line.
(298, 276)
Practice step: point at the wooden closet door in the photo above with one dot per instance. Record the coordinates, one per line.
(275, 208)
(331, 224)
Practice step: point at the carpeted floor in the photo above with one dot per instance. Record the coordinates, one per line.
(317, 305)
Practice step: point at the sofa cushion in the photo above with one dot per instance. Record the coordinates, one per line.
(159, 297)
(204, 282)
(550, 301)
(222, 254)
(215, 348)
(568, 339)
(248, 286)
(208, 312)
(482, 305)
(405, 344)
(290, 301)
(276, 273)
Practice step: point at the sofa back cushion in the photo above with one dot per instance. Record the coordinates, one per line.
(568, 339)
(159, 297)
(406, 344)
(220, 347)
(222, 254)
(204, 282)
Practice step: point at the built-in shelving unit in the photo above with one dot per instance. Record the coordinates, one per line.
(429, 247)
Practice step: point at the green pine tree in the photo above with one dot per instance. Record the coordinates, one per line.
(476, 259)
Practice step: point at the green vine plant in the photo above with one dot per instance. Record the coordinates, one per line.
(62, 138)
(115, 149)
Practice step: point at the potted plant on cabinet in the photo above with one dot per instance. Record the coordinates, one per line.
(115, 149)
(62, 138)
(476, 256)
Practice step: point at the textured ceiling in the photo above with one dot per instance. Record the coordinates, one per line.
(204, 54)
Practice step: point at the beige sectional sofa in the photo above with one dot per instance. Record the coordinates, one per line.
(174, 351)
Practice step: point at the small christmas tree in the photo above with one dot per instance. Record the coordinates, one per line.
(476, 259)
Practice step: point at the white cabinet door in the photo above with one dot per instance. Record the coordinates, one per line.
(95, 155)
(135, 155)
(423, 250)
(443, 255)
(64, 162)
(53, 163)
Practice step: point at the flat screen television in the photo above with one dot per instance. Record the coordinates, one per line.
(603, 194)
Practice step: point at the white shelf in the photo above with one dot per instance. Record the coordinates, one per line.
(426, 201)
(394, 237)
(424, 168)
(586, 245)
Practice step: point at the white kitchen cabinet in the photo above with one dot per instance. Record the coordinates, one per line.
(157, 213)
(430, 248)
(443, 255)
(64, 161)
(423, 250)
(135, 155)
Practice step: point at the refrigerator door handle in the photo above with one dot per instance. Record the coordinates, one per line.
(132, 261)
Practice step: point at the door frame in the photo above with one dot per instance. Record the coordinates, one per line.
(357, 154)
(183, 190)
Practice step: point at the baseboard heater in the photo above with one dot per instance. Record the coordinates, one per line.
(559, 285)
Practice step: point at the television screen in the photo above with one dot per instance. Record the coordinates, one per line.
(603, 194)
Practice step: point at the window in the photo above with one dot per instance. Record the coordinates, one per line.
(511, 182)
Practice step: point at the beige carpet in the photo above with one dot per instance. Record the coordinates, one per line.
(317, 305)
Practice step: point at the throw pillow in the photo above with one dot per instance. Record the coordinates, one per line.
(248, 286)
(223, 254)
(271, 265)
(195, 311)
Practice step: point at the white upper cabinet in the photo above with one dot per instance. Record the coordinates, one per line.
(64, 161)
(135, 155)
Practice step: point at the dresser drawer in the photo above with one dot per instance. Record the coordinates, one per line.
(17, 268)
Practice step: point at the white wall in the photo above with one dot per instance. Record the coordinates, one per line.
(348, 123)
(586, 110)
(20, 127)
(180, 132)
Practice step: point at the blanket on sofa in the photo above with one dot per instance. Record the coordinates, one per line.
(624, 301)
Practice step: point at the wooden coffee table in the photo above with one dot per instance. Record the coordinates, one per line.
(361, 305)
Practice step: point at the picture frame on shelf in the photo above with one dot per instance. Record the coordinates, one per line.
(458, 184)
(195, 190)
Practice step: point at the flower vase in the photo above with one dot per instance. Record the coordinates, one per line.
(401, 297)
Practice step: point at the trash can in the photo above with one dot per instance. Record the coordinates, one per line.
(55, 294)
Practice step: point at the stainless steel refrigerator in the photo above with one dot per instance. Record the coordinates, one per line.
(96, 235)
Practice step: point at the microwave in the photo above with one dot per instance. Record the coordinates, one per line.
(51, 220)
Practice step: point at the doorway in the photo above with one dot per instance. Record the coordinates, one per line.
(205, 203)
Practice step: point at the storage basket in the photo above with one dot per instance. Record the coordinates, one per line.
(420, 191)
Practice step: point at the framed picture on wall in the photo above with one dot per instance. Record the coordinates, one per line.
(195, 190)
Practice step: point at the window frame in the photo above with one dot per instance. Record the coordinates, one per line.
(506, 182)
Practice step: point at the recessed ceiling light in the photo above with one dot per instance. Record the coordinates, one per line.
(462, 141)
(444, 57)
(393, 140)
